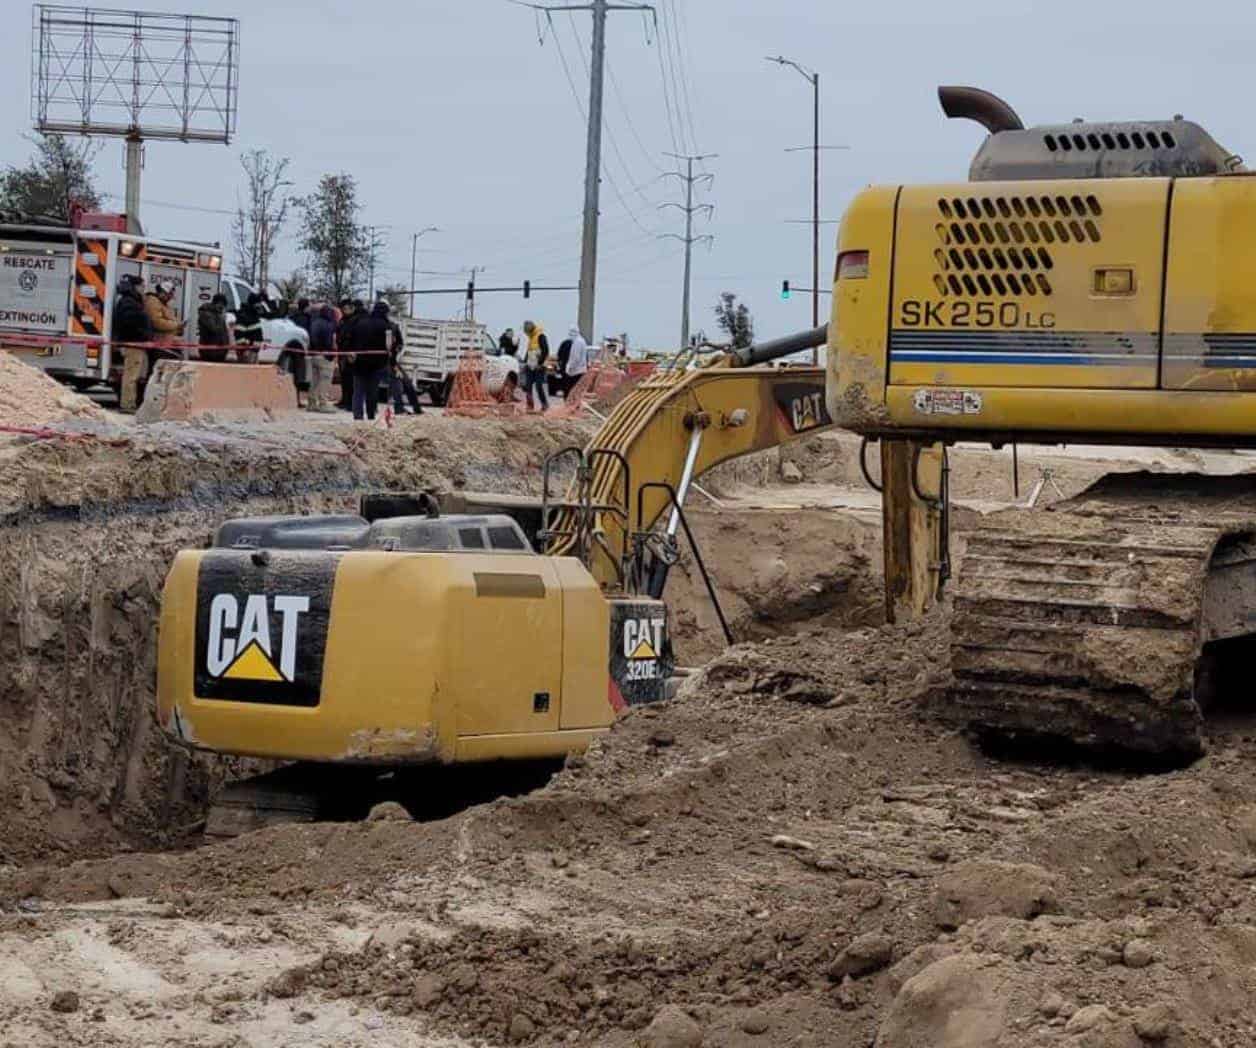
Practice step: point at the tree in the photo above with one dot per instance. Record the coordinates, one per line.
(294, 287)
(58, 176)
(335, 243)
(260, 215)
(734, 319)
(397, 299)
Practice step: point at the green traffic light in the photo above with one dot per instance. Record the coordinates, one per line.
(785, 290)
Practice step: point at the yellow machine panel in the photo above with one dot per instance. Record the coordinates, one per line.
(1210, 310)
(1029, 284)
(381, 657)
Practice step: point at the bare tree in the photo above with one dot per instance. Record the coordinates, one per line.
(397, 299)
(734, 319)
(335, 243)
(260, 216)
(294, 287)
(58, 176)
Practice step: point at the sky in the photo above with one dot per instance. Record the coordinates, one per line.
(460, 114)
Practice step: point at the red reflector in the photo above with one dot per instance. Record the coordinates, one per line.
(852, 265)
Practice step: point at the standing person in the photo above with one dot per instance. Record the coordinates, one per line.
(349, 317)
(300, 364)
(320, 361)
(301, 316)
(370, 360)
(534, 364)
(131, 328)
(577, 360)
(559, 382)
(248, 329)
(400, 382)
(211, 330)
(166, 326)
(508, 344)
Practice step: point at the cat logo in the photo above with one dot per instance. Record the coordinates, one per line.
(801, 405)
(643, 638)
(806, 412)
(241, 644)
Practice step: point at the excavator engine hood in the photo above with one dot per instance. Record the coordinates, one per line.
(1174, 148)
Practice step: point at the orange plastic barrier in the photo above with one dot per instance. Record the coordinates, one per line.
(469, 398)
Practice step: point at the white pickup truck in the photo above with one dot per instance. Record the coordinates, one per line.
(434, 348)
(285, 342)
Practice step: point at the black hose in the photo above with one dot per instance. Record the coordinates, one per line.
(863, 466)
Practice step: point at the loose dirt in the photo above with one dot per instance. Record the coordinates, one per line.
(793, 851)
(29, 398)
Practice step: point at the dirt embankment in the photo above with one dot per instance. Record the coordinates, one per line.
(87, 531)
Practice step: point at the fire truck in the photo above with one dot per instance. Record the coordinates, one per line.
(58, 283)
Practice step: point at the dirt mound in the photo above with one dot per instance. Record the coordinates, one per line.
(774, 573)
(30, 399)
(789, 852)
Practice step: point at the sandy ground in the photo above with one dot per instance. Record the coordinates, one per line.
(791, 852)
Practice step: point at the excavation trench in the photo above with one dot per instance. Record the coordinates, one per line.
(87, 531)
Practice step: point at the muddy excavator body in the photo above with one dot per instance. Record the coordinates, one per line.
(485, 630)
(1091, 282)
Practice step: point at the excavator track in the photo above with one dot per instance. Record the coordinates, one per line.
(1094, 620)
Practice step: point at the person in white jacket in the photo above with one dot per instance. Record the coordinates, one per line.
(577, 360)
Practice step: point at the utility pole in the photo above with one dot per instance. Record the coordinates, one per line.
(593, 149)
(373, 243)
(814, 79)
(689, 239)
(414, 256)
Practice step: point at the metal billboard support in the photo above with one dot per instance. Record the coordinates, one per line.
(135, 75)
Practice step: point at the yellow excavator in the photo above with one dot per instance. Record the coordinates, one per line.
(472, 629)
(1089, 283)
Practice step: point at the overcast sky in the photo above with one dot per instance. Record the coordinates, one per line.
(453, 114)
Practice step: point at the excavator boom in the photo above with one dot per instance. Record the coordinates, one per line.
(677, 424)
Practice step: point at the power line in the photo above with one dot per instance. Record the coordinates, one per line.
(680, 29)
(632, 127)
(610, 132)
(665, 46)
(602, 167)
(677, 145)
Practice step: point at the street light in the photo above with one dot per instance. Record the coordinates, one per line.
(814, 79)
(414, 254)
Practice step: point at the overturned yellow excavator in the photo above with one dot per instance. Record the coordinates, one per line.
(1089, 283)
(471, 629)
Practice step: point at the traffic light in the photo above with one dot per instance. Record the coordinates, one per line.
(785, 290)
(527, 289)
(470, 290)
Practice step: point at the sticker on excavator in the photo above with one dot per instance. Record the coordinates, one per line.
(947, 402)
(641, 652)
(802, 405)
(259, 640)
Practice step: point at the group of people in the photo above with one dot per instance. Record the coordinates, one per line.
(368, 344)
(541, 377)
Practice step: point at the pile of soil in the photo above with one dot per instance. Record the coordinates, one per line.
(30, 399)
(790, 852)
(774, 573)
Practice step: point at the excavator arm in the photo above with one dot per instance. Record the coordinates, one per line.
(676, 425)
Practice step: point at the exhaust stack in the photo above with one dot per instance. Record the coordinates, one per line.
(972, 103)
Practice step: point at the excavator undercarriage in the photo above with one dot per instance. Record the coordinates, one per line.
(1117, 619)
